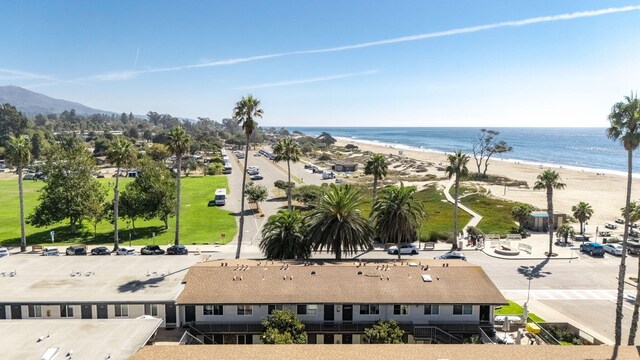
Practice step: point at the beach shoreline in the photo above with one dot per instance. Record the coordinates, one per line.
(604, 190)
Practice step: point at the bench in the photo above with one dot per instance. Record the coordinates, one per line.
(36, 248)
(429, 246)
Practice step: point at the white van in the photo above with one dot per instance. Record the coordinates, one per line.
(221, 196)
(4, 252)
(50, 251)
(328, 175)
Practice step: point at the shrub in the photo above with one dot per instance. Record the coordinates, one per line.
(435, 236)
(214, 169)
(324, 157)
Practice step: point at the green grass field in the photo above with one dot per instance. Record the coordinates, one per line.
(496, 213)
(198, 223)
(515, 309)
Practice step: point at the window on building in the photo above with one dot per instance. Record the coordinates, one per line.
(245, 310)
(154, 310)
(432, 309)
(245, 339)
(35, 311)
(302, 310)
(275, 307)
(218, 310)
(121, 310)
(400, 309)
(66, 311)
(369, 309)
(462, 309)
(307, 309)
(207, 310)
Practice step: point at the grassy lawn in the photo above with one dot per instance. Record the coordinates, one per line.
(198, 222)
(515, 309)
(496, 213)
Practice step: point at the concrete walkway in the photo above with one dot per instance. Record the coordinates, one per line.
(475, 217)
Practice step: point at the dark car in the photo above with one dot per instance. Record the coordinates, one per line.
(152, 250)
(593, 249)
(452, 255)
(256, 177)
(76, 250)
(582, 238)
(100, 250)
(633, 247)
(177, 250)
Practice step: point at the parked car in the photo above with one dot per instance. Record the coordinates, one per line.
(151, 250)
(592, 249)
(126, 251)
(253, 171)
(611, 226)
(76, 250)
(100, 250)
(4, 252)
(613, 249)
(634, 233)
(581, 238)
(452, 255)
(633, 247)
(50, 251)
(256, 177)
(177, 250)
(404, 249)
(29, 177)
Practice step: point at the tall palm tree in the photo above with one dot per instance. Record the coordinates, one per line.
(549, 180)
(178, 142)
(624, 121)
(336, 223)
(246, 110)
(457, 167)
(121, 154)
(283, 236)
(18, 153)
(376, 166)
(582, 212)
(287, 150)
(396, 214)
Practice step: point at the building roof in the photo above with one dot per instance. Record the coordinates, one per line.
(88, 339)
(382, 352)
(79, 279)
(262, 282)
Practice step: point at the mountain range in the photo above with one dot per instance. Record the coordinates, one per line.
(32, 103)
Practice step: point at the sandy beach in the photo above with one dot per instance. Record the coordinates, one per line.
(604, 191)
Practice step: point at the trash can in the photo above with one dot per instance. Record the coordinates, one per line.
(604, 241)
(460, 244)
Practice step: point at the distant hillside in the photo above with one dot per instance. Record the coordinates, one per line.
(32, 103)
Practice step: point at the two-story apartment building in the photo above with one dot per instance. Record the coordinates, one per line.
(433, 300)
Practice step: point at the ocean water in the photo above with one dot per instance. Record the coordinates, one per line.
(583, 148)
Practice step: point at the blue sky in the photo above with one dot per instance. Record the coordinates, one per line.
(315, 63)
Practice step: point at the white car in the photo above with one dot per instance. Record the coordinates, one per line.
(4, 252)
(404, 249)
(126, 251)
(613, 249)
(50, 251)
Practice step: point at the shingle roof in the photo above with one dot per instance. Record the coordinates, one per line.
(386, 282)
(383, 352)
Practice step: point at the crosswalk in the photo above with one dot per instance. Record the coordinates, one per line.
(580, 294)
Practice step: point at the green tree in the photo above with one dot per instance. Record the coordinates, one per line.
(549, 180)
(565, 232)
(326, 139)
(309, 195)
(283, 327)
(101, 146)
(39, 145)
(178, 144)
(582, 212)
(287, 150)
(19, 155)
(624, 121)
(337, 225)
(12, 122)
(520, 212)
(159, 152)
(485, 146)
(283, 236)
(69, 189)
(376, 166)
(97, 213)
(256, 193)
(384, 332)
(244, 113)
(457, 168)
(121, 154)
(396, 215)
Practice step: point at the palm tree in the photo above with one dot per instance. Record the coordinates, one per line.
(376, 166)
(336, 223)
(283, 236)
(121, 154)
(287, 150)
(624, 121)
(178, 142)
(396, 214)
(582, 212)
(18, 153)
(246, 110)
(457, 167)
(520, 213)
(549, 180)
(565, 231)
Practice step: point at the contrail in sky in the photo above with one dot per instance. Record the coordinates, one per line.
(306, 81)
(123, 75)
(136, 61)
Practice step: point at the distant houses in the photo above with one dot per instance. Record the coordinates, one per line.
(345, 167)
